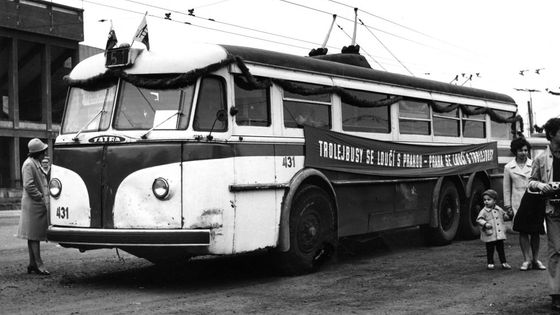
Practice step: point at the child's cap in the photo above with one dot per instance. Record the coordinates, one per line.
(491, 193)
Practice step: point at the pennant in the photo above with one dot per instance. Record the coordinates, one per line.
(142, 33)
(111, 39)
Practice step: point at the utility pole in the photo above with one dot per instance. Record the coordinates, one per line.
(530, 108)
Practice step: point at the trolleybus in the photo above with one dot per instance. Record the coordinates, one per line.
(201, 149)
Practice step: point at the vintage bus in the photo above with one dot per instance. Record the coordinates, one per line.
(201, 149)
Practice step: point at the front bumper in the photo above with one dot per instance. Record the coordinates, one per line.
(128, 237)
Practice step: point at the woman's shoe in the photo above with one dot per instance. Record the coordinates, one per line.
(506, 266)
(42, 271)
(37, 270)
(539, 265)
(525, 266)
(490, 267)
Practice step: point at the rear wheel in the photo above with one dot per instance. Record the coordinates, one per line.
(469, 227)
(448, 215)
(312, 232)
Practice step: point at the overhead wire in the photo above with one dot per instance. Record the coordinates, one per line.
(225, 23)
(191, 24)
(241, 27)
(400, 25)
(387, 48)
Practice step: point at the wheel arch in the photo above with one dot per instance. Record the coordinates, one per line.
(482, 175)
(456, 180)
(307, 176)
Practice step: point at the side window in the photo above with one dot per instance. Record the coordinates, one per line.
(367, 119)
(474, 126)
(414, 117)
(447, 124)
(253, 105)
(501, 130)
(311, 110)
(211, 99)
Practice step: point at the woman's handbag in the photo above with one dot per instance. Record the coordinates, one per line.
(530, 215)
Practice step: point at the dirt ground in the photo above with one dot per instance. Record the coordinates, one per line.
(395, 274)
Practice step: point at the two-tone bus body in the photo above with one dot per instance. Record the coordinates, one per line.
(173, 155)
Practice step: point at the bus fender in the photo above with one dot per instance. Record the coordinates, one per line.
(305, 175)
(483, 175)
(434, 216)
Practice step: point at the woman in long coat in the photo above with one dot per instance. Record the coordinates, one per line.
(528, 224)
(34, 205)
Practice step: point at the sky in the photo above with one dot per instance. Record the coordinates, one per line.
(494, 41)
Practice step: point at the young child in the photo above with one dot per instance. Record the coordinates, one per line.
(493, 230)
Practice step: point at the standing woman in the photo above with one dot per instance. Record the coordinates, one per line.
(34, 204)
(527, 223)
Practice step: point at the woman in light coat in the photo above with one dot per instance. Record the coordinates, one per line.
(516, 180)
(34, 205)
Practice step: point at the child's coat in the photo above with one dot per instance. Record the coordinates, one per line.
(496, 217)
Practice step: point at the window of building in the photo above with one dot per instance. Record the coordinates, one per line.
(311, 110)
(501, 130)
(474, 126)
(4, 110)
(253, 106)
(414, 117)
(211, 99)
(29, 81)
(61, 65)
(447, 124)
(366, 119)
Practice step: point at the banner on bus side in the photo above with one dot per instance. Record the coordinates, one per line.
(335, 151)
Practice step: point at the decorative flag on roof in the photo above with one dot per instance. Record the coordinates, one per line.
(111, 39)
(142, 33)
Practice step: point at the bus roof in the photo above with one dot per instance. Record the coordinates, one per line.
(266, 57)
(188, 56)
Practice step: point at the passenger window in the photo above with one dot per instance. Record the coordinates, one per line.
(211, 99)
(253, 106)
(447, 124)
(366, 119)
(414, 117)
(501, 130)
(474, 126)
(310, 110)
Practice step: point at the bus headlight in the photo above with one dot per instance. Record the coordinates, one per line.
(55, 187)
(160, 187)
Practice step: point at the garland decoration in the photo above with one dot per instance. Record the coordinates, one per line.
(250, 82)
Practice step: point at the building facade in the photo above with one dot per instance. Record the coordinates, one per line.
(39, 45)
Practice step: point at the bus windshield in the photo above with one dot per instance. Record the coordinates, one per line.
(88, 110)
(140, 108)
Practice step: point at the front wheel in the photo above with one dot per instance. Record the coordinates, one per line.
(312, 232)
(448, 215)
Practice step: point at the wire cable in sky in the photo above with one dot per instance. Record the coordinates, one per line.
(400, 25)
(191, 24)
(386, 48)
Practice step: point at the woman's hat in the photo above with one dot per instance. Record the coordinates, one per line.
(491, 193)
(36, 145)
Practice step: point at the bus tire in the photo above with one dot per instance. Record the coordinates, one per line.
(448, 208)
(469, 227)
(312, 232)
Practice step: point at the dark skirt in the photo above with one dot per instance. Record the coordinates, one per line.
(530, 215)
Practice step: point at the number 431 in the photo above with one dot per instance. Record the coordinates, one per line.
(62, 212)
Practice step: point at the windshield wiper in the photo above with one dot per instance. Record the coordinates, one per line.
(144, 136)
(102, 110)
